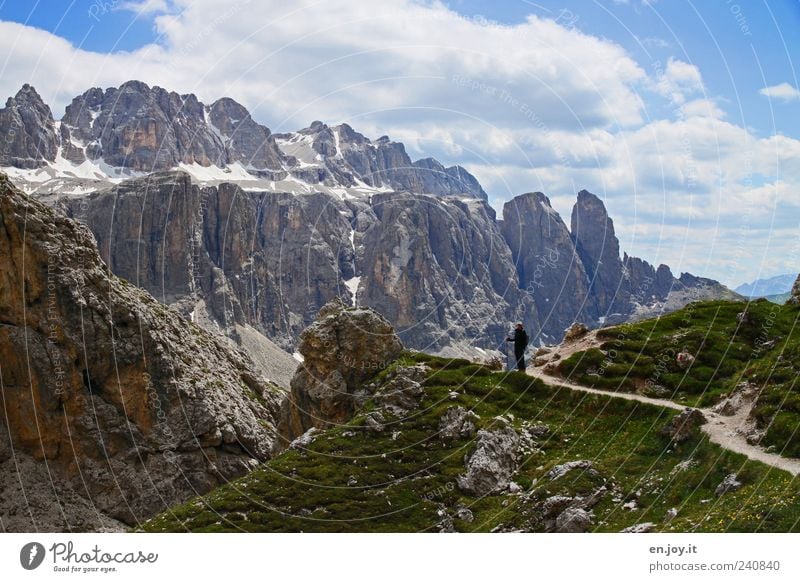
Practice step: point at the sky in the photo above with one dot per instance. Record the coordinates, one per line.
(684, 117)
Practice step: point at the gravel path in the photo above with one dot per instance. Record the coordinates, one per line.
(722, 430)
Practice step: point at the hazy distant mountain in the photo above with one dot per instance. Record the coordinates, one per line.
(771, 286)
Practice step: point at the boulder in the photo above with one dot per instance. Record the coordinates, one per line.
(729, 483)
(491, 464)
(684, 360)
(683, 425)
(375, 422)
(464, 514)
(560, 470)
(575, 331)
(305, 439)
(573, 520)
(341, 351)
(455, 423)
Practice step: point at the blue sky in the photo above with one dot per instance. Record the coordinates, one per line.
(660, 107)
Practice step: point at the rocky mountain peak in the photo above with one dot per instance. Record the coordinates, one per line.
(348, 135)
(30, 138)
(136, 128)
(598, 247)
(27, 95)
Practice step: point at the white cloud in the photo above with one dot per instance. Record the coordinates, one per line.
(701, 108)
(679, 80)
(143, 7)
(783, 91)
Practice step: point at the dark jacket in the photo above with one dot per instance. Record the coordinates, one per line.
(520, 339)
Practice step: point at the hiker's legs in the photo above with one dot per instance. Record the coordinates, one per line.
(520, 361)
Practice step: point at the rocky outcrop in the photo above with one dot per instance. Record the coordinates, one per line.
(29, 133)
(131, 407)
(490, 466)
(729, 483)
(341, 351)
(684, 425)
(560, 470)
(456, 423)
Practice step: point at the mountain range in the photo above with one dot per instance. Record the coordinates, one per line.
(249, 232)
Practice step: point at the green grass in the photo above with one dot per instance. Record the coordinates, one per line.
(763, 350)
(352, 480)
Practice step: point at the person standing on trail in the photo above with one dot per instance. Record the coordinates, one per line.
(520, 339)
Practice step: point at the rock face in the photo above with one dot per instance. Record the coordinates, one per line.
(442, 270)
(549, 267)
(597, 245)
(576, 275)
(260, 259)
(245, 141)
(149, 129)
(341, 351)
(439, 270)
(28, 130)
(132, 407)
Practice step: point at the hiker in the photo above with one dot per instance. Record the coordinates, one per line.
(520, 339)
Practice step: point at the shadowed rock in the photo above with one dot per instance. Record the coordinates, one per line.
(131, 406)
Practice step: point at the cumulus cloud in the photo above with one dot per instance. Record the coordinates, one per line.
(783, 91)
(679, 80)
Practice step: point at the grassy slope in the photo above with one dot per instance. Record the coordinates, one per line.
(764, 350)
(399, 480)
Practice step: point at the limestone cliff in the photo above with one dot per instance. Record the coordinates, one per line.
(129, 407)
